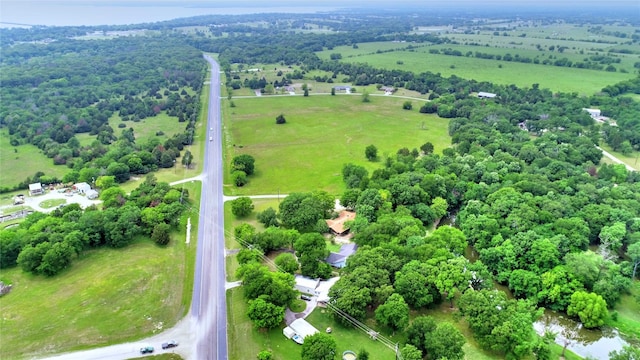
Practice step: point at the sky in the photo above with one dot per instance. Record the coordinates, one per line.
(118, 12)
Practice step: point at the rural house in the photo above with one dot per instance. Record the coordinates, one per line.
(337, 225)
(339, 259)
(306, 285)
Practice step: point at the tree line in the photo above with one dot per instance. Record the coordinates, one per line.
(51, 92)
(48, 243)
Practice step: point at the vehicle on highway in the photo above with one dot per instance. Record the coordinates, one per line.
(169, 344)
(305, 297)
(146, 350)
(210, 138)
(298, 339)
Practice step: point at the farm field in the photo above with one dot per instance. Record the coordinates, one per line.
(558, 79)
(322, 134)
(123, 294)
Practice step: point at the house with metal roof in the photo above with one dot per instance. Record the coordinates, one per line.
(339, 259)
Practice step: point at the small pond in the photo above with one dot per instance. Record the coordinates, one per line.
(595, 344)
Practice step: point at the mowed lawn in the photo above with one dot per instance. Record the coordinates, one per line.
(628, 310)
(15, 167)
(558, 79)
(322, 134)
(107, 296)
(245, 341)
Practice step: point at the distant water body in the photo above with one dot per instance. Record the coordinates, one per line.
(76, 13)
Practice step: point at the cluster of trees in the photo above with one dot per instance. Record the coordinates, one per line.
(267, 292)
(242, 166)
(51, 92)
(48, 243)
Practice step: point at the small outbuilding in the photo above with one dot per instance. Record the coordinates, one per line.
(91, 194)
(288, 332)
(82, 187)
(594, 113)
(486, 95)
(18, 199)
(302, 328)
(36, 189)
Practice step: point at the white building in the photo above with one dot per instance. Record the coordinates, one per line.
(302, 328)
(486, 95)
(91, 194)
(36, 189)
(306, 285)
(594, 113)
(82, 187)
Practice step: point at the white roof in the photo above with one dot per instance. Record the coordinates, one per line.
(288, 332)
(35, 186)
(486, 94)
(306, 282)
(303, 328)
(83, 186)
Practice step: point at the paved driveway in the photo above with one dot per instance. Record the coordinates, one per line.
(34, 201)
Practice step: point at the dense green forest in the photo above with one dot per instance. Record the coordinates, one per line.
(522, 185)
(140, 76)
(52, 92)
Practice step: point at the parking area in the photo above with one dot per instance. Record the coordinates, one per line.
(34, 202)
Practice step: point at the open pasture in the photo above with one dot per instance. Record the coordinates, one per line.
(18, 163)
(148, 127)
(322, 134)
(107, 296)
(558, 79)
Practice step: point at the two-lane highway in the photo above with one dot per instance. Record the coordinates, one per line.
(208, 308)
(202, 335)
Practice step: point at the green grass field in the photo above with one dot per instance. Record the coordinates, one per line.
(47, 204)
(322, 134)
(147, 128)
(558, 79)
(245, 341)
(107, 296)
(632, 160)
(16, 165)
(628, 309)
